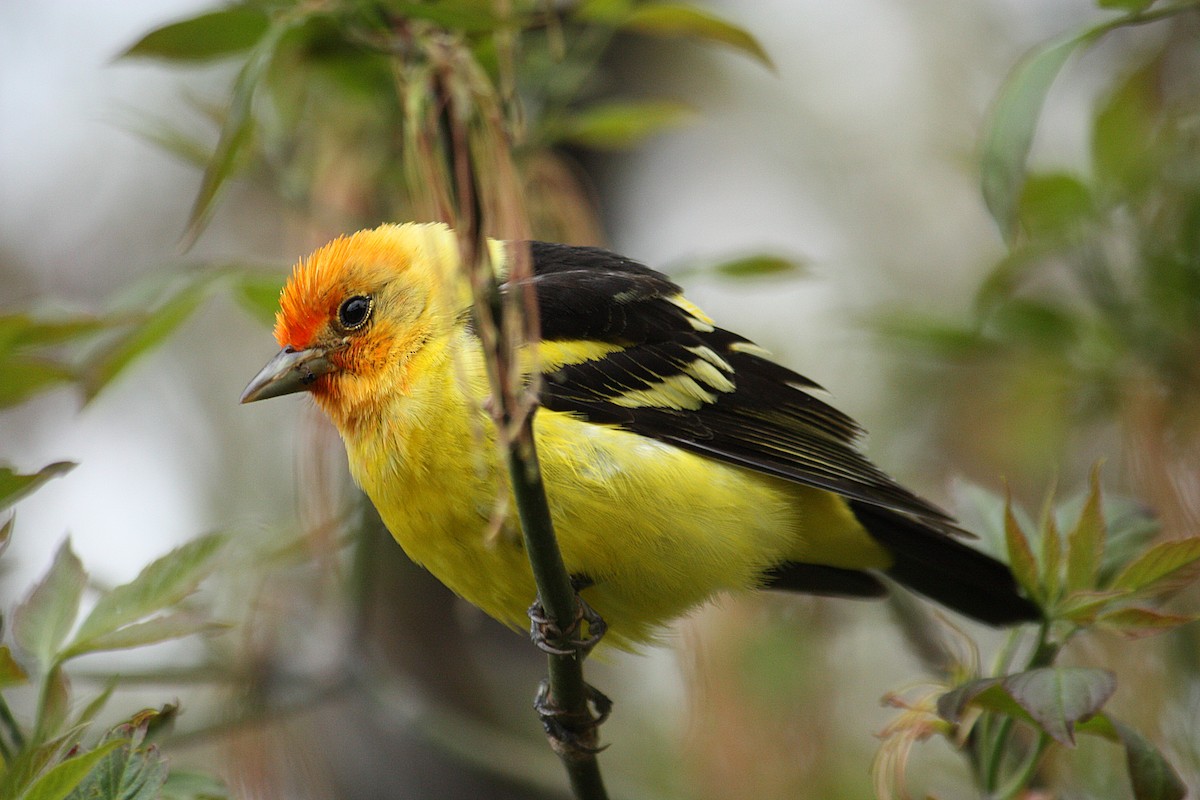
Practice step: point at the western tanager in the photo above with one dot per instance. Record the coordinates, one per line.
(679, 460)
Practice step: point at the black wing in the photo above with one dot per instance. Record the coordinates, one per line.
(674, 376)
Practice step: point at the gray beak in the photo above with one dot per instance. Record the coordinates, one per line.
(288, 372)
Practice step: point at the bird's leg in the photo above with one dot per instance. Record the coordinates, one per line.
(552, 639)
(572, 732)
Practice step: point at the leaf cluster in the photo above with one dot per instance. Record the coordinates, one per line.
(57, 755)
(1092, 579)
(324, 92)
(1096, 304)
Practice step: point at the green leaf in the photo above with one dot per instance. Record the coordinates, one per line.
(614, 126)
(758, 266)
(1058, 697)
(1152, 777)
(1132, 6)
(1052, 698)
(985, 693)
(140, 634)
(14, 486)
(1011, 124)
(63, 778)
(684, 21)
(1125, 146)
(41, 623)
(182, 785)
(1164, 567)
(1051, 553)
(1020, 555)
(1085, 542)
(55, 704)
(21, 331)
(258, 293)
(127, 772)
(236, 132)
(6, 535)
(1081, 607)
(464, 17)
(147, 334)
(11, 673)
(207, 36)
(1136, 622)
(27, 377)
(943, 339)
(1054, 205)
(161, 584)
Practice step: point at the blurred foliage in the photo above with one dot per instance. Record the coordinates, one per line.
(1087, 580)
(61, 754)
(330, 96)
(1095, 309)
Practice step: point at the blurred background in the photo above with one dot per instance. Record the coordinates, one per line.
(853, 157)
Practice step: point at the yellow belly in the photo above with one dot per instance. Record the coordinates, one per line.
(657, 529)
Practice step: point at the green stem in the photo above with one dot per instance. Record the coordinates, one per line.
(1021, 778)
(14, 730)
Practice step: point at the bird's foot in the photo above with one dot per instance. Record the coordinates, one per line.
(552, 639)
(573, 733)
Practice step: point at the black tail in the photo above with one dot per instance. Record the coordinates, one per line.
(930, 562)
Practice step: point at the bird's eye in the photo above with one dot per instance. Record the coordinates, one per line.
(354, 312)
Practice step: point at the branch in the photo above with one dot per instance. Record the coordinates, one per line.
(505, 324)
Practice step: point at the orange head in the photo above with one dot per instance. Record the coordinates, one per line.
(356, 313)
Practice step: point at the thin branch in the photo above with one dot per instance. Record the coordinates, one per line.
(505, 328)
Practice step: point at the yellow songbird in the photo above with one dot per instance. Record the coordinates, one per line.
(679, 460)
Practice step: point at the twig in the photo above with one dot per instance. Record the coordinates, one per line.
(502, 329)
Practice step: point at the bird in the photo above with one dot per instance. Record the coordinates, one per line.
(680, 461)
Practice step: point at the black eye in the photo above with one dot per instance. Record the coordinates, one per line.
(354, 312)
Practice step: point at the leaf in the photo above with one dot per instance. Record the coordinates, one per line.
(1165, 567)
(1132, 6)
(1125, 144)
(6, 538)
(258, 293)
(55, 704)
(1020, 555)
(1058, 697)
(614, 126)
(150, 332)
(465, 17)
(1052, 698)
(62, 779)
(1152, 776)
(985, 693)
(183, 785)
(1082, 607)
(14, 486)
(1054, 205)
(758, 266)
(238, 127)
(684, 21)
(26, 377)
(127, 772)
(1134, 623)
(1085, 542)
(162, 583)
(41, 623)
(11, 673)
(140, 634)
(1051, 552)
(204, 37)
(1012, 122)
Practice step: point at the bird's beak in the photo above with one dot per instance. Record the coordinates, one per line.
(290, 371)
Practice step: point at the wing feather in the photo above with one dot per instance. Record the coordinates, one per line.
(676, 377)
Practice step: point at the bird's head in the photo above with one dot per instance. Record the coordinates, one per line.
(357, 315)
